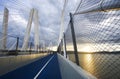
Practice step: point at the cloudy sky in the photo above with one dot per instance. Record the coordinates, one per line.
(90, 28)
(49, 17)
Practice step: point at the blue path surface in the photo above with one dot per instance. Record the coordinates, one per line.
(51, 71)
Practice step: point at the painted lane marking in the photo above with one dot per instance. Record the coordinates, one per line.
(43, 67)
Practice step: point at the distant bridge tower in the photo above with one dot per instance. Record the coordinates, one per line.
(36, 29)
(27, 34)
(33, 15)
(4, 28)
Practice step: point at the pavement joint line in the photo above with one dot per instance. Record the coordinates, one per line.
(43, 67)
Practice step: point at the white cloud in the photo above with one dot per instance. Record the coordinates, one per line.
(18, 20)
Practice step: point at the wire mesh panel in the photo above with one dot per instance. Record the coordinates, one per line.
(97, 31)
(84, 4)
(101, 65)
(69, 39)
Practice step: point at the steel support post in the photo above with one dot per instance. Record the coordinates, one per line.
(17, 45)
(74, 39)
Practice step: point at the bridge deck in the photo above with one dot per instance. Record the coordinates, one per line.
(52, 66)
(44, 68)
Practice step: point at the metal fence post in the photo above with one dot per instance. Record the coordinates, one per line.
(74, 39)
(65, 44)
(30, 47)
(17, 45)
(59, 49)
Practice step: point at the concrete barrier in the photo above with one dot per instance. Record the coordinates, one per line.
(70, 70)
(9, 63)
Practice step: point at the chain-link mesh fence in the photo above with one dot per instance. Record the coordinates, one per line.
(97, 31)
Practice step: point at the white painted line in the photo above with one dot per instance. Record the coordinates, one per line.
(43, 67)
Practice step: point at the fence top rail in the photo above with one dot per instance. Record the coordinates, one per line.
(103, 52)
(101, 7)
